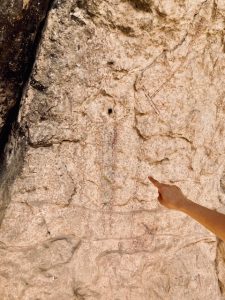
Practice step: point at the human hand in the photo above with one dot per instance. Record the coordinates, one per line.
(170, 196)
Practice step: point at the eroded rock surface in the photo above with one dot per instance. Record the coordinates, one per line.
(21, 25)
(120, 90)
(20, 22)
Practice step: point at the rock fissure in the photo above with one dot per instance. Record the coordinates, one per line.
(21, 37)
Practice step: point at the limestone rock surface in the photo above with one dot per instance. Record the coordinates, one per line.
(120, 90)
(20, 21)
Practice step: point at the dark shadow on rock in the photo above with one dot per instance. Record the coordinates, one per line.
(21, 29)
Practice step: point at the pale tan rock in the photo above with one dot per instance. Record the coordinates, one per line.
(131, 88)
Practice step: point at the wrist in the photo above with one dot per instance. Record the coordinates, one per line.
(185, 205)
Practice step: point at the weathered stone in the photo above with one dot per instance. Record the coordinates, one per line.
(20, 22)
(120, 90)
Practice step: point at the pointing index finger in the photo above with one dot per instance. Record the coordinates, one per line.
(155, 182)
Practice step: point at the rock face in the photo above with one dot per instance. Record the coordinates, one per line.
(120, 90)
(20, 22)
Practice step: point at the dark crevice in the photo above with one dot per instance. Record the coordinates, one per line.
(127, 30)
(143, 5)
(12, 137)
(37, 85)
(12, 115)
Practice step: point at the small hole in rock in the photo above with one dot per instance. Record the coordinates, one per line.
(110, 111)
(111, 62)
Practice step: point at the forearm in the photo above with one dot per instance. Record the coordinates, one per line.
(211, 219)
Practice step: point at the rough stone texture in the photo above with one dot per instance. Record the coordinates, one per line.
(125, 89)
(19, 24)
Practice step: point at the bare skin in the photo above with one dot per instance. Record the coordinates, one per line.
(172, 197)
